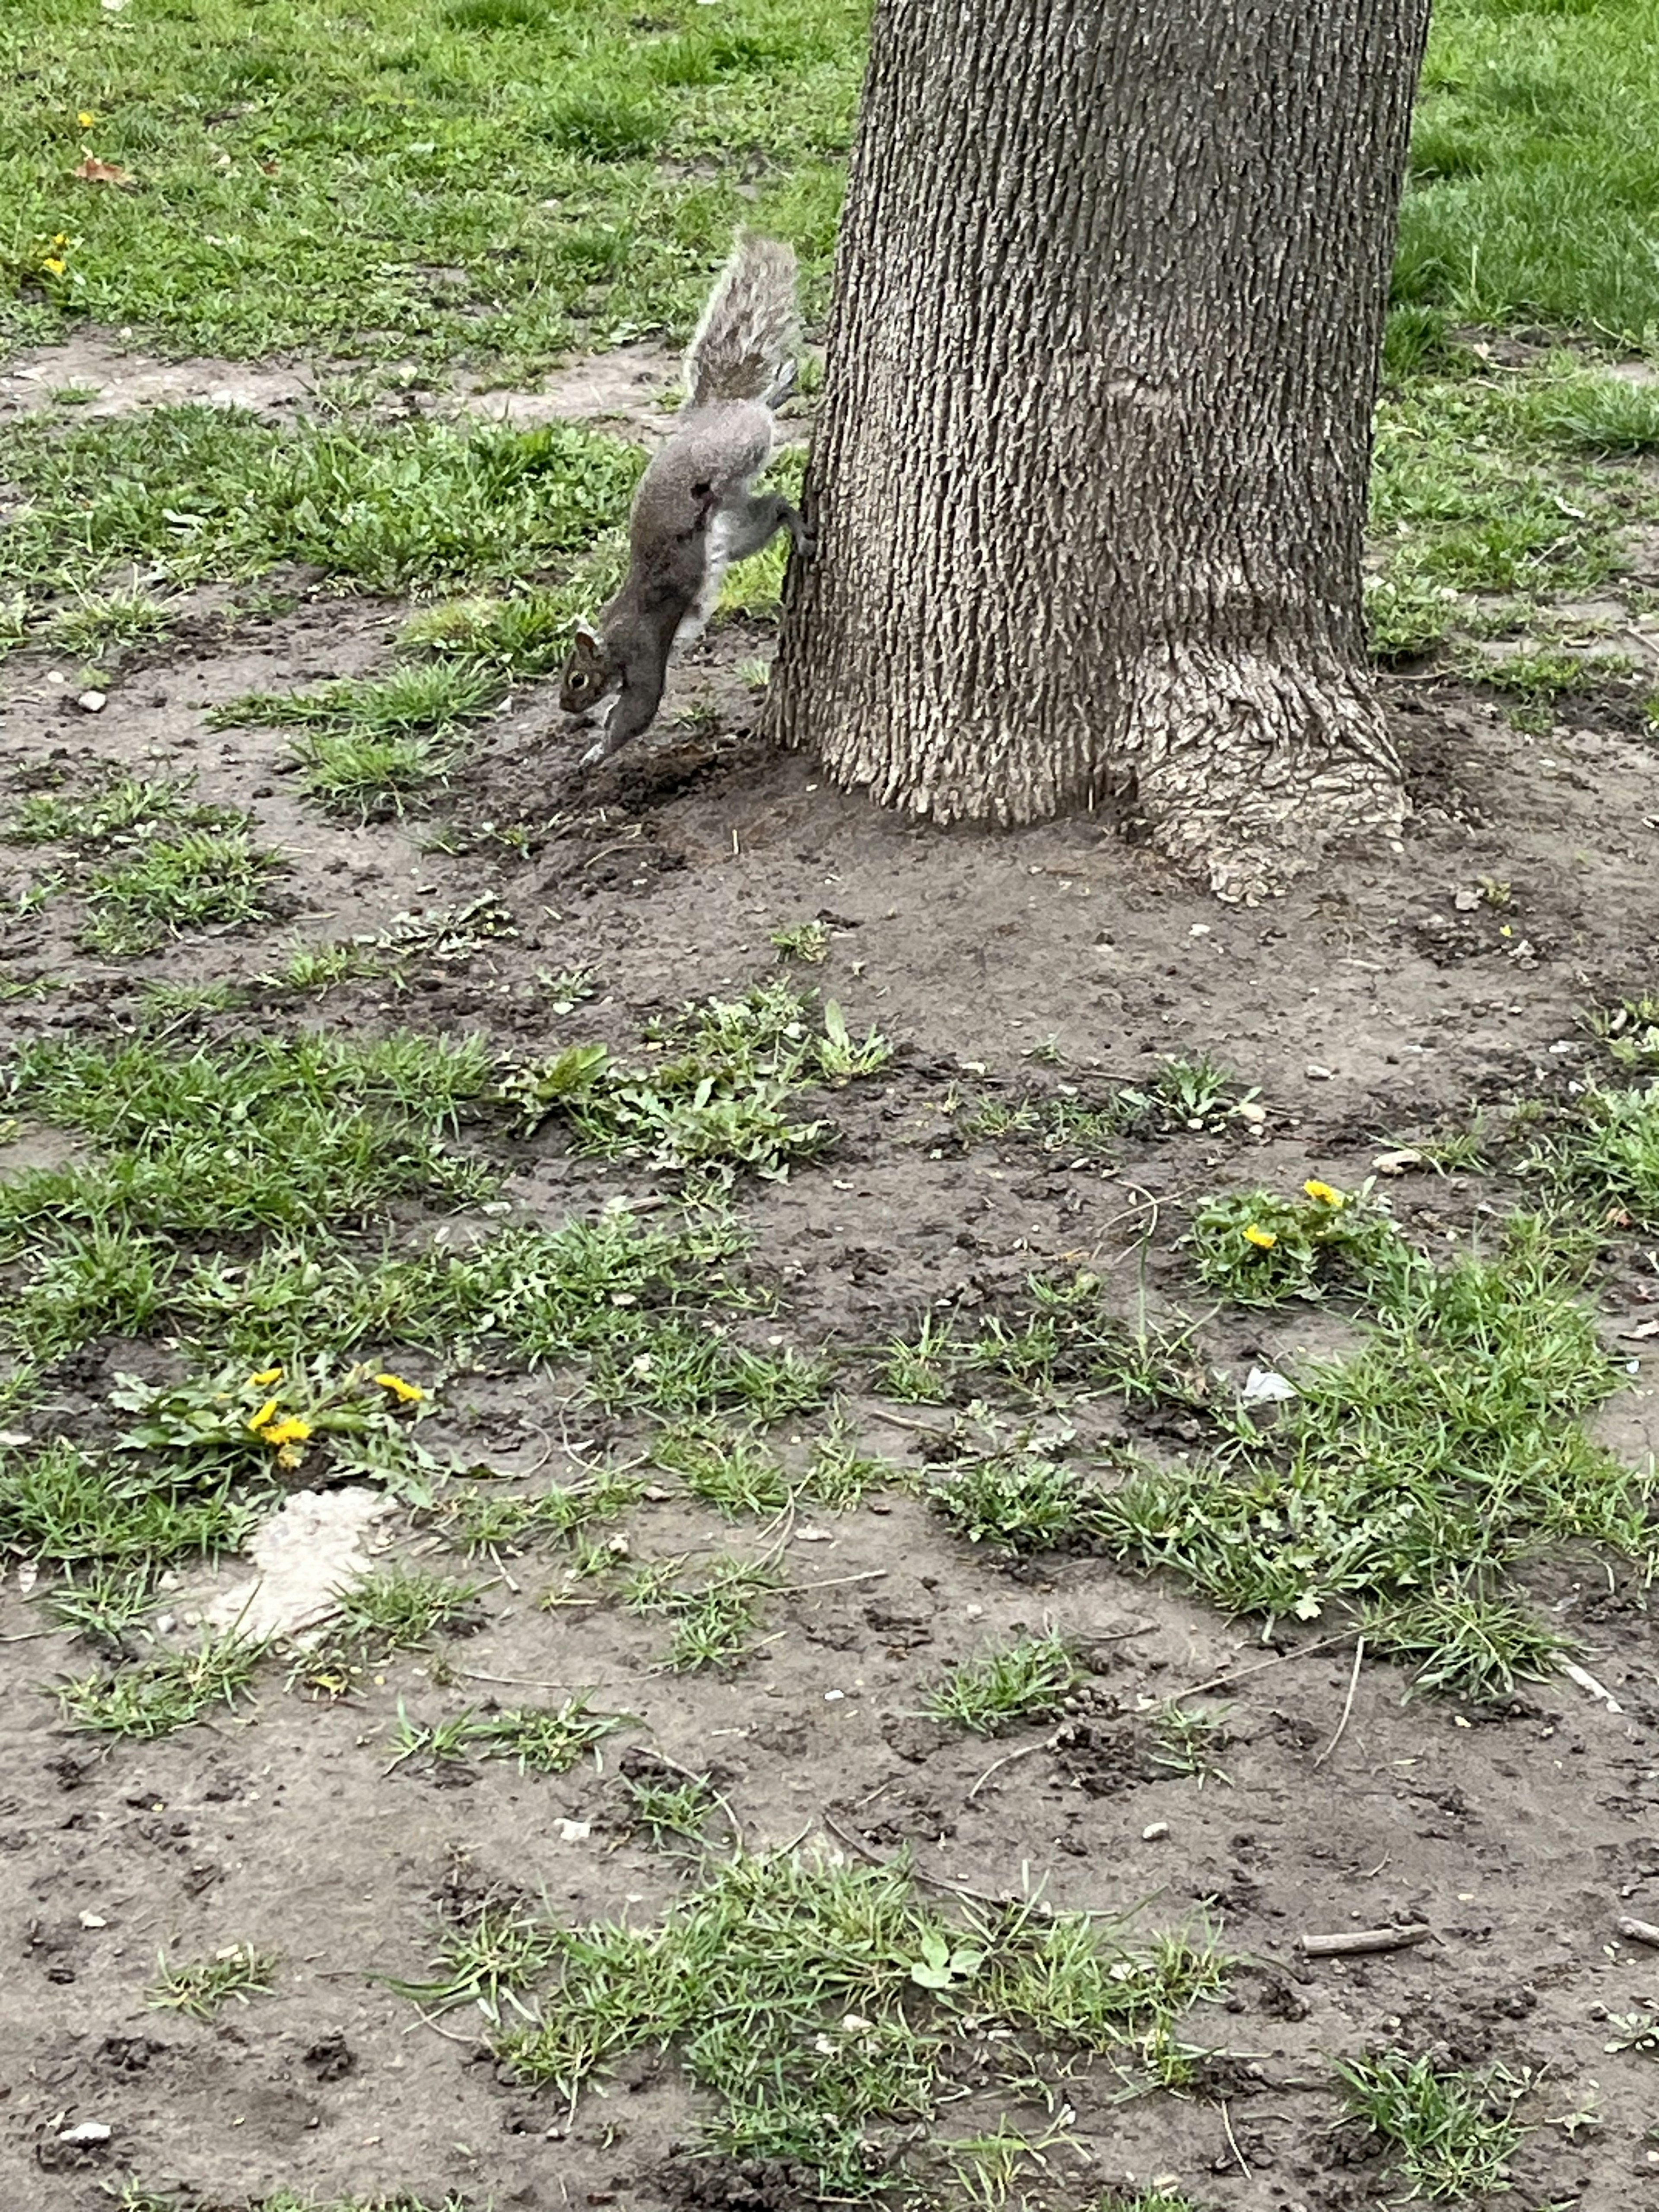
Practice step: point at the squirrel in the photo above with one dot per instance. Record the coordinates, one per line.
(696, 509)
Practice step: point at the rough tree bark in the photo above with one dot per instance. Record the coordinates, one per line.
(1089, 480)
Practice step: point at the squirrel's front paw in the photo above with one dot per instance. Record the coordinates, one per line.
(596, 752)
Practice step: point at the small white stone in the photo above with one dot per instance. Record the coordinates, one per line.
(85, 2134)
(1264, 1386)
(1154, 1832)
(92, 702)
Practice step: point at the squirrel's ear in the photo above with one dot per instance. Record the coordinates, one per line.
(585, 633)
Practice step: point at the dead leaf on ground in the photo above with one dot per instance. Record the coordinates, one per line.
(92, 171)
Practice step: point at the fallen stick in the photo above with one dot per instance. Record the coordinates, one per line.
(1637, 1931)
(1371, 1939)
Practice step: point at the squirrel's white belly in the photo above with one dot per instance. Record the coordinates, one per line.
(697, 616)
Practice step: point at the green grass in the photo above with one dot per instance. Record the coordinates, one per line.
(162, 1003)
(644, 1311)
(121, 1522)
(1533, 164)
(714, 1096)
(370, 777)
(840, 1474)
(727, 1467)
(487, 1958)
(149, 1697)
(267, 1135)
(1407, 1486)
(1604, 1149)
(401, 1608)
(197, 1987)
(102, 623)
(715, 1614)
(369, 744)
(195, 491)
(1186, 1740)
(315, 969)
(169, 864)
(1492, 496)
(667, 1811)
(484, 179)
(539, 1739)
(1028, 1681)
(1415, 1478)
(121, 809)
(493, 1524)
(203, 879)
(1020, 1503)
(812, 2004)
(1453, 2133)
(545, 1738)
(1183, 1095)
(1051, 1343)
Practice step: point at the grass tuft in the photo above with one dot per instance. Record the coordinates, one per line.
(198, 1987)
(1604, 1148)
(203, 879)
(1453, 2132)
(401, 1608)
(152, 1697)
(1028, 1681)
(716, 1616)
(819, 2005)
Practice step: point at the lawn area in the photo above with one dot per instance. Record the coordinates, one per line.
(705, 1501)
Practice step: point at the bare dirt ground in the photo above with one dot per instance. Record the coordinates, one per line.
(1370, 1004)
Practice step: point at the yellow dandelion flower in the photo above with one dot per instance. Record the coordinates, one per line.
(289, 1432)
(1322, 1194)
(266, 1377)
(266, 1414)
(1262, 1238)
(86, 118)
(411, 1393)
(52, 266)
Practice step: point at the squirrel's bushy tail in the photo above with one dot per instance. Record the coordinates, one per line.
(744, 347)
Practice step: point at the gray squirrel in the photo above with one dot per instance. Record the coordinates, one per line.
(696, 509)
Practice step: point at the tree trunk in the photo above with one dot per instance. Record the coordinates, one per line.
(1089, 483)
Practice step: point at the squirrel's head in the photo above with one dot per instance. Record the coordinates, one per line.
(589, 672)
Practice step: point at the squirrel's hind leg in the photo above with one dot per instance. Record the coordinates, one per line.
(750, 524)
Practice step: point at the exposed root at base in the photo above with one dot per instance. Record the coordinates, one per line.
(1247, 767)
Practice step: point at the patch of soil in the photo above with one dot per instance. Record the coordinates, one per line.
(624, 391)
(1365, 1005)
(124, 380)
